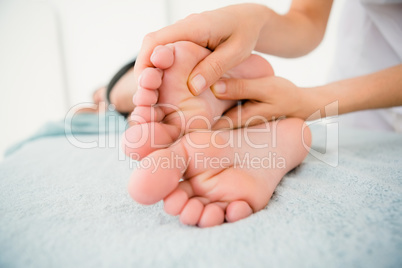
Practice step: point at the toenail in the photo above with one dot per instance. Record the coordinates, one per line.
(219, 87)
(199, 83)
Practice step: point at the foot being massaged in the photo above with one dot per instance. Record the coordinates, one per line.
(205, 111)
(203, 173)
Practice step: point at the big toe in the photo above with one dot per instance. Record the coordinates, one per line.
(238, 210)
(140, 140)
(151, 182)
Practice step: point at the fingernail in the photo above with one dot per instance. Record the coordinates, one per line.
(219, 87)
(198, 83)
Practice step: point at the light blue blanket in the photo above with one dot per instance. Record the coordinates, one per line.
(80, 124)
(63, 206)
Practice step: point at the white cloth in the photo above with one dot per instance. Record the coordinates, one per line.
(370, 39)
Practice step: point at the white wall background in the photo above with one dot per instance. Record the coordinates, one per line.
(55, 53)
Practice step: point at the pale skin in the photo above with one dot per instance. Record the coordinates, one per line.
(233, 32)
(227, 174)
(276, 96)
(209, 196)
(164, 108)
(377, 90)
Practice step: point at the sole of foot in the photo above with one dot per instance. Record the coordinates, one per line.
(211, 177)
(165, 108)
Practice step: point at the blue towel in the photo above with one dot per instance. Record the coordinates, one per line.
(80, 124)
(64, 206)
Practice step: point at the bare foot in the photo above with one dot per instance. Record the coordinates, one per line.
(165, 108)
(228, 174)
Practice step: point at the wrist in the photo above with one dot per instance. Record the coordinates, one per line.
(267, 20)
(321, 102)
(306, 104)
(266, 15)
(260, 15)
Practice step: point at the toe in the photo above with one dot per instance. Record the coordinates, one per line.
(144, 114)
(238, 210)
(175, 202)
(163, 57)
(145, 97)
(139, 140)
(153, 181)
(211, 216)
(151, 78)
(191, 212)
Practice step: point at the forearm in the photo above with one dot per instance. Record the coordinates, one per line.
(296, 33)
(378, 90)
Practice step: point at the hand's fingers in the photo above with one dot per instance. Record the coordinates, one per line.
(214, 66)
(246, 115)
(164, 36)
(237, 89)
(194, 28)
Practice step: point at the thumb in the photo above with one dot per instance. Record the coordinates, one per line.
(213, 67)
(238, 89)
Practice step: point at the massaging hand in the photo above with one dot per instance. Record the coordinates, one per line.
(233, 32)
(276, 96)
(230, 32)
(268, 98)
